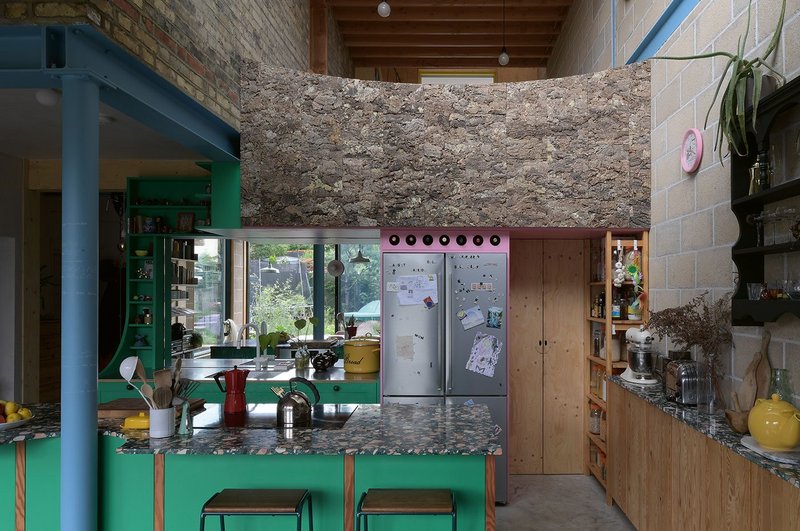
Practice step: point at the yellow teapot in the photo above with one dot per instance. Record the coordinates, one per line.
(775, 424)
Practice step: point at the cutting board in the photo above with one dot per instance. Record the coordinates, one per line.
(125, 407)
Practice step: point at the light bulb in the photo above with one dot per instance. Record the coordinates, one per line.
(503, 58)
(384, 9)
(47, 97)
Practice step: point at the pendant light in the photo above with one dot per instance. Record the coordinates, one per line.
(384, 9)
(359, 258)
(503, 57)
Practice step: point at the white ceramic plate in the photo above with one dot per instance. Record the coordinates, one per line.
(9, 425)
(335, 268)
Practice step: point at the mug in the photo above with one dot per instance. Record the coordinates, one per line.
(162, 423)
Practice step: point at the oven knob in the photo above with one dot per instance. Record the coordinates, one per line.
(411, 239)
(427, 239)
(494, 240)
(444, 239)
(394, 239)
(461, 239)
(477, 239)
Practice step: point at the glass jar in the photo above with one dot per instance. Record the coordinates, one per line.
(595, 418)
(780, 384)
(302, 357)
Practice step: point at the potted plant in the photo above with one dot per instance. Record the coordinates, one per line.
(698, 324)
(351, 329)
(744, 88)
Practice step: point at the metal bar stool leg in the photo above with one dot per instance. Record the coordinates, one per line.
(310, 514)
(455, 525)
(222, 522)
(202, 522)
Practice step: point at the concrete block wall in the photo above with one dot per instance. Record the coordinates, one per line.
(693, 227)
(198, 45)
(325, 151)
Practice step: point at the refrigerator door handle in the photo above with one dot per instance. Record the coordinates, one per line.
(448, 321)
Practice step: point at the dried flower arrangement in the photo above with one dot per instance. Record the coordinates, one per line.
(697, 323)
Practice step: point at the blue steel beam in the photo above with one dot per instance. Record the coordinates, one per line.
(80, 177)
(39, 56)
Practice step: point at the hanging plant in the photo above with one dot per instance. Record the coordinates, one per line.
(735, 98)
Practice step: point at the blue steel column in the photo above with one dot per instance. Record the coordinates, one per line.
(79, 300)
(319, 290)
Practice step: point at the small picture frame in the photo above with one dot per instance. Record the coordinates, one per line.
(185, 222)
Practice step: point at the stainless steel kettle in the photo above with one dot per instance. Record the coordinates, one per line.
(294, 408)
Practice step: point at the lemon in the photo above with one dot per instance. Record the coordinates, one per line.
(24, 413)
(13, 417)
(11, 407)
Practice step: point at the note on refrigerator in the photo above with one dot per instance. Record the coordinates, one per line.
(415, 289)
(484, 354)
(471, 317)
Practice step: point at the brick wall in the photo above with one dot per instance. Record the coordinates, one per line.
(693, 227)
(198, 45)
(325, 151)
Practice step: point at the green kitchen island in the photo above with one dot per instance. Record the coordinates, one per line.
(163, 483)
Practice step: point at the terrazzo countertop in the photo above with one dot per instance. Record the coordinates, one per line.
(712, 425)
(392, 429)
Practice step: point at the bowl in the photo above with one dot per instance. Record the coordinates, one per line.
(140, 252)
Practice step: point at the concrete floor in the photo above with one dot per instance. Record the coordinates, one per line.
(558, 502)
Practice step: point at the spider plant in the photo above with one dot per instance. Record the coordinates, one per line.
(734, 99)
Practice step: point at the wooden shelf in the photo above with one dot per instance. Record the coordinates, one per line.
(776, 193)
(597, 400)
(595, 438)
(174, 259)
(141, 280)
(788, 247)
(601, 361)
(185, 285)
(596, 473)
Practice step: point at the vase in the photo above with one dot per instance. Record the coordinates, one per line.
(780, 384)
(708, 400)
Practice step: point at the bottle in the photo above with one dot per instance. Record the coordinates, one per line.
(780, 384)
(615, 308)
(594, 419)
(602, 303)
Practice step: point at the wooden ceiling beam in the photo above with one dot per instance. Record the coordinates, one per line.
(450, 28)
(542, 52)
(452, 13)
(448, 3)
(448, 62)
(414, 41)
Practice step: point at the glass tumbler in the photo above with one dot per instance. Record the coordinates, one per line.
(780, 384)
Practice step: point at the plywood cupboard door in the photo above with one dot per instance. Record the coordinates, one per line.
(563, 403)
(525, 358)
(684, 481)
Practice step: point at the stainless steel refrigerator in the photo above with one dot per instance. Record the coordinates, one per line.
(444, 335)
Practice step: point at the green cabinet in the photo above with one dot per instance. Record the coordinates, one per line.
(348, 392)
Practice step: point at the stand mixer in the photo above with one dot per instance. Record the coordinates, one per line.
(640, 365)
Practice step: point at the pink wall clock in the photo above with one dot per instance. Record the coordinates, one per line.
(691, 150)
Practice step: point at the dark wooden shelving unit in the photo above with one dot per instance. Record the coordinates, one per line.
(746, 253)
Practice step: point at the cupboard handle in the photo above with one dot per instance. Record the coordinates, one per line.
(336, 387)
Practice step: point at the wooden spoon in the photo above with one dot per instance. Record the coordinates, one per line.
(163, 378)
(162, 397)
(140, 371)
(147, 392)
(176, 376)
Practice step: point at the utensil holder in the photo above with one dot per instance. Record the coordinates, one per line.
(162, 423)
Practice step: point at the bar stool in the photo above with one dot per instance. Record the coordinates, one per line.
(263, 502)
(407, 502)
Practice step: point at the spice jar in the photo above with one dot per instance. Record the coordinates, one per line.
(595, 418)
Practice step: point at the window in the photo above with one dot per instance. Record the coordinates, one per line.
(281, 280)
(455, 77)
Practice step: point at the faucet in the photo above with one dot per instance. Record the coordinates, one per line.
(242, 334)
